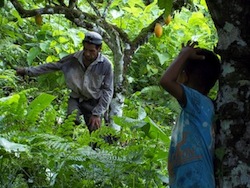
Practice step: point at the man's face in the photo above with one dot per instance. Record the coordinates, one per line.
(90, 52)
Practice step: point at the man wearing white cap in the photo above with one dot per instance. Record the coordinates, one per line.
(89, 76)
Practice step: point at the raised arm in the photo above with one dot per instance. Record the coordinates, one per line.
(170, 81)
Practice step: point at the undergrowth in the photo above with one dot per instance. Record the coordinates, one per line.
(40, 147)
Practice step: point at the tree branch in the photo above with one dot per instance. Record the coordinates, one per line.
(72, 4)
(78, 17)
(104, 14)
(94, 8)
(61, 2)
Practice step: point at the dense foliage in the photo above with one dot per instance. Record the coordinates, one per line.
(40, 147)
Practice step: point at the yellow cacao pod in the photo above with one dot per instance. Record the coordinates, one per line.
(158, 30)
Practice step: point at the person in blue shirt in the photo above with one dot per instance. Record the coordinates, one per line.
(189, 79)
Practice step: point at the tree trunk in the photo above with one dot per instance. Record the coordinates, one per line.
(118, 99)
(232, 21)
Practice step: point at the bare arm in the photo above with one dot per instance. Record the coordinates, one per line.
(169, 80)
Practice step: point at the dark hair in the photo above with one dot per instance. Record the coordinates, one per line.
(205, 72)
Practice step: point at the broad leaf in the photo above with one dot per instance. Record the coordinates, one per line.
(154, 131)
(33, 53)
(11, 146)
(38, 105)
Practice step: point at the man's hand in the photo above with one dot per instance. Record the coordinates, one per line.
(94, 123)
(20, 71)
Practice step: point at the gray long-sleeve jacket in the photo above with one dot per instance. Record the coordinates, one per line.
(95, 81)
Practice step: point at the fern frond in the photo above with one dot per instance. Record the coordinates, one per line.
(52, 142)
(49, 119)
(151, 90)
(21, 109)
(66, 129)
(8, 107)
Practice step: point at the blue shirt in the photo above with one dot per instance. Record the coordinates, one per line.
(190, 162)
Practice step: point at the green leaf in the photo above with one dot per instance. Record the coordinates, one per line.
(128, 122)
(152, 70)
(20, 110)
(38, 105)
(11, 146)
(16, 14)
(162, 4)
(33, 52)
(45, 46)
(150, 7)
(163, 57)
(9, 100)
(75, 38)
(116, 14)
(167, 5)
(168, 8)
(220, 153)
(52, 58)
(8, 78)
(155, 131)
(63, 54)
(141, 113)
(63, 40)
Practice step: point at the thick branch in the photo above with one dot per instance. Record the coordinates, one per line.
(58, 9)
(76, 16)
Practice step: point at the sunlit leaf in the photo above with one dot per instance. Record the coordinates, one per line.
(11, 146)
(10, 99)
(116, 14)
(16, 15)
(141, 113)
(62, 40)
